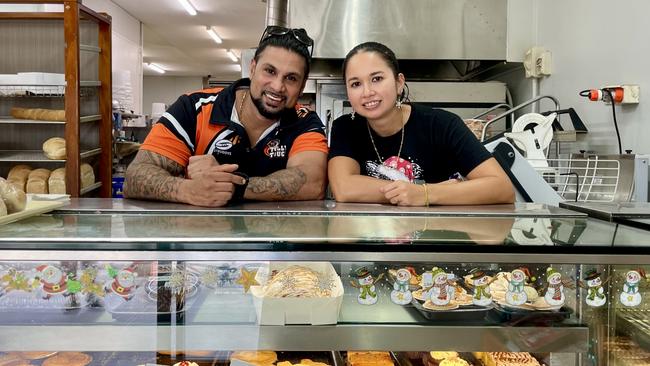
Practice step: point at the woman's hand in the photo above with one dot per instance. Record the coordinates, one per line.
(405, 194)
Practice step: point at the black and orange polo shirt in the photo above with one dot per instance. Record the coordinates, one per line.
(205, 122)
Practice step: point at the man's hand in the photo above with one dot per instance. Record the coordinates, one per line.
(200, 164)
(211, 187)
(404, 194)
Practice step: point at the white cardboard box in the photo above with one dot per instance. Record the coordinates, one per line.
(298, 310)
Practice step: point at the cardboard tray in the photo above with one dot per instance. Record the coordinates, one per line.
(32, 208)
(464, 313)
(314, 311)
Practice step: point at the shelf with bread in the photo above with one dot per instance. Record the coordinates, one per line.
(58, 74)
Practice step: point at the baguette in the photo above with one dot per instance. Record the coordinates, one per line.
(38, 114)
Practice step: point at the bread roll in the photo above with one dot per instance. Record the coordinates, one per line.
(14, 199)
(37, 181)
(18, 176)
(56, 181)
(54, 148)
(87, 175)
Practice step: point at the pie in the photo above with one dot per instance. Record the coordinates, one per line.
(68, 359)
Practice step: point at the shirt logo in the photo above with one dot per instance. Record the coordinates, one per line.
(274, 149)
(223, 145)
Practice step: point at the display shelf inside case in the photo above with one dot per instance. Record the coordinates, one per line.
(91, 188)
(18, 121)
(87, 89)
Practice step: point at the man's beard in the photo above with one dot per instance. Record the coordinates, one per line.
(261, 108)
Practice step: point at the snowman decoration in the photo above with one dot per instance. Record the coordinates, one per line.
(123, 283)
(554, 295)
(481, 284)
(515, 295)
(595, 292)
(630, 296)
(401, 294)
(443, 290)
(427, 284)
(53, 281)
(366, 285)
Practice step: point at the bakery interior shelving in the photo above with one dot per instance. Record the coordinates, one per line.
(73, 48)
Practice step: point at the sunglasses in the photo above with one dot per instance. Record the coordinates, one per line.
(298, 33)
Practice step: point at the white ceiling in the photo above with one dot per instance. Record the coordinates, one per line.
(179, 42)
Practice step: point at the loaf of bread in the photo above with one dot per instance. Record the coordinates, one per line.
(18, 176)
(37, 181)
(87, 175)
(54, 148)
(13, 198)
(56, 181)
(38, 114)
(369, 358)
(3, 208)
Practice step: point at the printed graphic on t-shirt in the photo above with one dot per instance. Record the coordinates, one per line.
(394, 168)
(274, 149)
(224, 142)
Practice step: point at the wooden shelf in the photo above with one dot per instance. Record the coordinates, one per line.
(91, 188)
(18, 121)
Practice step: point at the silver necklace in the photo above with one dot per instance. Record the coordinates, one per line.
(399, 152)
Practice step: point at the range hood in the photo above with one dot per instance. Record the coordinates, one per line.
(414, 29)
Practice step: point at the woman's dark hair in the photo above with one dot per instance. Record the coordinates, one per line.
(386, 54)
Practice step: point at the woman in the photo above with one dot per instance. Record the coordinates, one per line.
(386, 151)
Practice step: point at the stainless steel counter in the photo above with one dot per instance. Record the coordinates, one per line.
(100, 205)
(610, 210)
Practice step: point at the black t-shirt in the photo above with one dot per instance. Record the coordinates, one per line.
(437, 144)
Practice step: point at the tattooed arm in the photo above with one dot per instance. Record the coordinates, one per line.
(303, 179)
(156, 177)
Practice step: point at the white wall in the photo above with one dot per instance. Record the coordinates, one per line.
(595, 44)
(166, 89)
(126, 45)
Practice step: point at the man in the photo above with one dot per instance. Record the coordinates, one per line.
(208, 143)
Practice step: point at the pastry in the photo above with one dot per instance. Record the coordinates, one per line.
(441, 355)
(430, 306)
(186, 363)
(509, 359)
(261, 358)
(454, 361)
(68, 359)
(303, 362)
(14, 199)
(37, 181)
(9, 359)
(295, 281)
(18, 176)
(56, 181)
(369, 359)
(35, 355)
(54, 148)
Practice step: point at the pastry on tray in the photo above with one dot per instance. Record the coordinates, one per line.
(303, 362)
(369, 358)
(34, 355)
(260, 358)
(454, 361)
(430, 306)
(295, 281)
(68, 359)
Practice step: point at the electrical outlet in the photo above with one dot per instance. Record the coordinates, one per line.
(630, 94)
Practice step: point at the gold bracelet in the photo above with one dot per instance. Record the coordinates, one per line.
(426, 195)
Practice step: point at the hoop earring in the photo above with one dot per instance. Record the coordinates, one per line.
(352, 115)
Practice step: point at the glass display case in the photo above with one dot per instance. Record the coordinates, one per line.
(119, 282)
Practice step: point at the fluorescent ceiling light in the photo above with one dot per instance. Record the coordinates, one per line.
(156, 68)
(188, 7)
(232, 55)
(213, 34)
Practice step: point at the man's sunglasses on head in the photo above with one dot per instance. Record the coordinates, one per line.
(298, 33)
